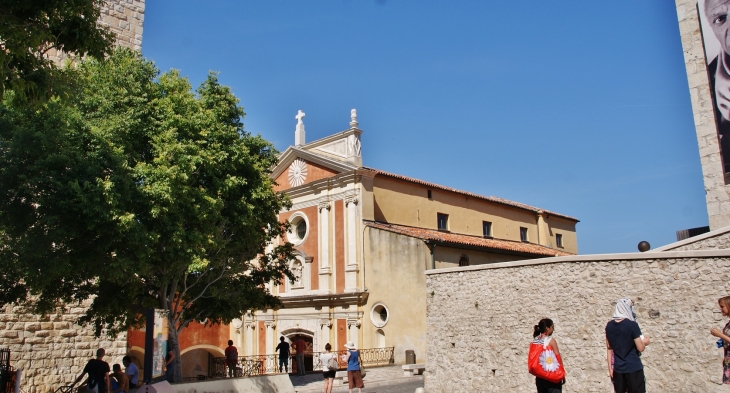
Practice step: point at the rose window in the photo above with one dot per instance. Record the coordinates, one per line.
(297, 172)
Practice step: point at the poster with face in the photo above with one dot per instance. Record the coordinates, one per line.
(716, 38)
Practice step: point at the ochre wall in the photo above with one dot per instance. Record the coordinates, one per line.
(394, 275)
(405, 203)
(449, 257)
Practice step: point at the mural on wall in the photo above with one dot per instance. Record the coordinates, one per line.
(160, 344)
(715, 28)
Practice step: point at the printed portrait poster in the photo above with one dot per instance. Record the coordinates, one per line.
(716, 38)
(159, 350)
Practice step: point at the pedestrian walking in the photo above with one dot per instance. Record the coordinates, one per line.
(231, 353)
(624, 343)
(724, 338)
(352, 358)
(98, 372)
(170, 363)
(283, 349)
(544, 360)
(329, 367)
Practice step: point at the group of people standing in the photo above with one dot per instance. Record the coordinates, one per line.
(330, 365)
(328, 359)
(624, 345)
(99, 379)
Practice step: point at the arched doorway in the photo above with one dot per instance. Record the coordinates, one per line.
(197, 360)
(308, 337)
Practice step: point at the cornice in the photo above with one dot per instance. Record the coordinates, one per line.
(332, 138)
(317, 186)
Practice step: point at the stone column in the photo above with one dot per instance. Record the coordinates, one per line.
(325, 270)
(270, 327)
(324, 334)
(353, 330)
(351, 265)
(250, 338)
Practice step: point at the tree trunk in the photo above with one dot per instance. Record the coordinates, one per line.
(173, 344)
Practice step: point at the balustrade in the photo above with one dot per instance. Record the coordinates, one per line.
(269, 364)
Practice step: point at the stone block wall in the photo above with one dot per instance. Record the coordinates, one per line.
(480, 319)
(718, 194)
(125, 18)
(53, 350)
(714, 240)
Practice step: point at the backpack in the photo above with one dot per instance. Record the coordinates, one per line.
(232, 356)
(332, 364)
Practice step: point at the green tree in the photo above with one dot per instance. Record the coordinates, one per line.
(30, 29)
(136, 192)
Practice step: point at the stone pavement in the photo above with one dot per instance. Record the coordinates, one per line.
(386, 379)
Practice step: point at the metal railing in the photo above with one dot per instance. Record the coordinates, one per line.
(269, 364)
(7, 373)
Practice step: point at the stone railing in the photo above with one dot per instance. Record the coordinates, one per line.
(269, 364)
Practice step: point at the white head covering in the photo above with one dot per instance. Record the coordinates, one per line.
(350, 345)
(624, 309)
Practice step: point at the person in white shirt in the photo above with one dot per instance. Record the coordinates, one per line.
(132, 371)
(329, 374)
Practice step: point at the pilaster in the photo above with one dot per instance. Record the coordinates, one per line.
(351, 263)
(325, 266)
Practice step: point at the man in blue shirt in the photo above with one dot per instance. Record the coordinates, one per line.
(624, 343)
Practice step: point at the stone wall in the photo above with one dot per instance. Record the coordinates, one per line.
(52, 351)
(480, 319)
(717, 239)
(125, 18)
(718, 194)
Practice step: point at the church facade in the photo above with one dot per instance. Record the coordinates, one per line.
(364, 238)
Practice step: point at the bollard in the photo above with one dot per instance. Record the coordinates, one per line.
(420, 390)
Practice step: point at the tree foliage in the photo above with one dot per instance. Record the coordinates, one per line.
(136, 192)
(30, 29)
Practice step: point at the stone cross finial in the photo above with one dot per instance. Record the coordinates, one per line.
(353, 118)
(299, 132)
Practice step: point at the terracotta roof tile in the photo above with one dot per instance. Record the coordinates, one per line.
(470, 194)
(468, 240)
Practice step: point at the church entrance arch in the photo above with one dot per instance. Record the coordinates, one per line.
(308, 336)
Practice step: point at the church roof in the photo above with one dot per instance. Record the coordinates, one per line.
(470, 194)
(468, 240)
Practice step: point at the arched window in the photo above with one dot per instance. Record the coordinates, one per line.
(464, 260)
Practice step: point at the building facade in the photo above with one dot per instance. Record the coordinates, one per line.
(364, 238)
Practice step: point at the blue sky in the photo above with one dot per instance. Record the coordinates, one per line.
(579, 107)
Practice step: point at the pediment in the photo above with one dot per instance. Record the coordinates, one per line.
(298, 167)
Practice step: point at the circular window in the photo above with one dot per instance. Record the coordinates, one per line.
(379, 314)
(299, 228)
